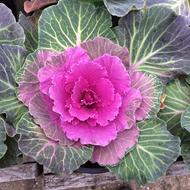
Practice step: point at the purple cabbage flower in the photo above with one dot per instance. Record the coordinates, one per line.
(88, 95)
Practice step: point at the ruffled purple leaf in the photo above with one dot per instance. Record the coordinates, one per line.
(40, 108)
(53, 155)
(116, 149)
(100, 46)
(151, 89)
(27, 76)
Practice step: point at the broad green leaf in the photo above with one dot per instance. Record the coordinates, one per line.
(122, 7)
(71, 22)
(158, 41)
(30, 26)
(185, 118)
(156, 150)
(3, 147)
(30, 58)
(50, 153)
(176, 102)
(11, 60)
(10, 31)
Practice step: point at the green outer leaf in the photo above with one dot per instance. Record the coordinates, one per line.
(71, 22)
(176, 102)
(30, 58)
(10, 31)
(3, 147)
(185, 119)
(11, 60)
(156, 150)
(121, 8)
(30, 26)
(51, 154)
(158, 41)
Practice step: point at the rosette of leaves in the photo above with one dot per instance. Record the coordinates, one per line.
(158, 43)
(12, 57)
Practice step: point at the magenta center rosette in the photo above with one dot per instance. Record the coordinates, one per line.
(88, 96)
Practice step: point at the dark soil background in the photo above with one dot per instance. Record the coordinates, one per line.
(14, 5)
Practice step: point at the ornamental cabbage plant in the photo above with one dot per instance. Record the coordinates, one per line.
(91, 92)
(88, 95)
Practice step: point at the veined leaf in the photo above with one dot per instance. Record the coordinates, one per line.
(30, 26)
(3, 147)
(176, 102)
(151, 89)
(29, 60)
(11, 60)
(10, 31)
(158, 41)
(183, 8)
(185, 119)
(71, 22)
(122, 7)
(50, 153)
(156, 150)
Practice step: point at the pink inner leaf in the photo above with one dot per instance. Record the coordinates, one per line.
(116, 150)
